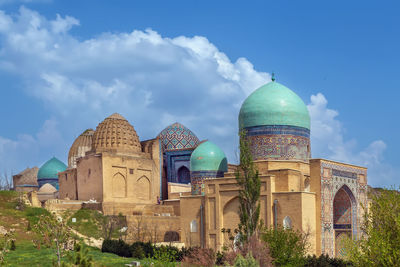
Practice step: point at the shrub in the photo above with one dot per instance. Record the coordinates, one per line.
(137, 251)
(287, 247)
(200, 257)
(253, 246)
(249, 261)
(325, 261)
(142, 250)
(118, 247)
(165, 253)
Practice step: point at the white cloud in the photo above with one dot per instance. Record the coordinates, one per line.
(328, 141)
(144, 76)
(151, 80)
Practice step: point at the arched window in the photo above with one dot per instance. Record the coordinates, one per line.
(171, 236)
(287, 223)
(183, 175)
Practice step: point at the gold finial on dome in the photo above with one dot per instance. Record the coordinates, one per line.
(116, 134)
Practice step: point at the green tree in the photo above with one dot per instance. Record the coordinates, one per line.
(379, 244)
(53, 232)
(249, 194)
(286, 246)
(80, 257)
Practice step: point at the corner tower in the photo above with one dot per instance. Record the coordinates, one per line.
(277, 123)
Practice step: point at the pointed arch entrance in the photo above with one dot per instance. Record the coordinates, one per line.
(183, 175)
(344, 218)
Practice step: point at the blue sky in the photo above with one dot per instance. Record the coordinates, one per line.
(66, 65)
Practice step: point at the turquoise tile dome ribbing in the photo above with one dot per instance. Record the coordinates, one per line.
(48, 173)
(273, 104)
(177, 137)
(208, 157)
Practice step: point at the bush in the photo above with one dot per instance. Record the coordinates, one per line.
(166, 253)
(199, 257)
(256, 247)
(249, 261)
(287, 246)
(118, 247)
(325, 261)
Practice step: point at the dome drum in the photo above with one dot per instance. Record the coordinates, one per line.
(197, 179)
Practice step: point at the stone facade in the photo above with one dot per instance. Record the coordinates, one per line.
(145, 182)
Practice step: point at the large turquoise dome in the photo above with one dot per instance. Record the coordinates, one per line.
(51, 168)
(48, 173)
(208, 157)
(273, 104)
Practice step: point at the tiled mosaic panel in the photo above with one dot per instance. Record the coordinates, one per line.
(280, 142)
(282, 147)
(340, 239)
(354, 182)
(342, 208)
(176, 137)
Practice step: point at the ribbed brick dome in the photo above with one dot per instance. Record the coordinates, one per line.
(81, 145)
(115, 134)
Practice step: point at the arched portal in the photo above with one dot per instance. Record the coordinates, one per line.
(344, 224)
(183, 175)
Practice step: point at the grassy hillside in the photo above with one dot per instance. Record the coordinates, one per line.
(28, 255)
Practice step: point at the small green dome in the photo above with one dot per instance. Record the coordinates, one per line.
(51, 168)
(208, 157)
(273, 104)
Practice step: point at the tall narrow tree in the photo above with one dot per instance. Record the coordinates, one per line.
(249, 194)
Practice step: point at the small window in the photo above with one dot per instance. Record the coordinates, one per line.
(89, 172)
(130, 171)
(287, 223)
(193, 226)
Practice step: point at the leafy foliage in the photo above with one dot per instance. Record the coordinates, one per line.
(7, 243)
(287, 246)
(325, 261)
(249, 194)
(379, 244)
(249, 261)
(53, 233)
(80, 257)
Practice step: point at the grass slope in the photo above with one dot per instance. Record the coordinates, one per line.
(26, 254)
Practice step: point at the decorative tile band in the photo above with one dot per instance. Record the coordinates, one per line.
(280, 142)
(198, 177)
(278, 130)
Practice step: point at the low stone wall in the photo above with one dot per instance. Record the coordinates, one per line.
(61, 205)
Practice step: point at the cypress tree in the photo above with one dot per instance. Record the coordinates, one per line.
(249, 193)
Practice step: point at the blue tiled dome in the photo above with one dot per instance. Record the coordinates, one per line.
(178, 137)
